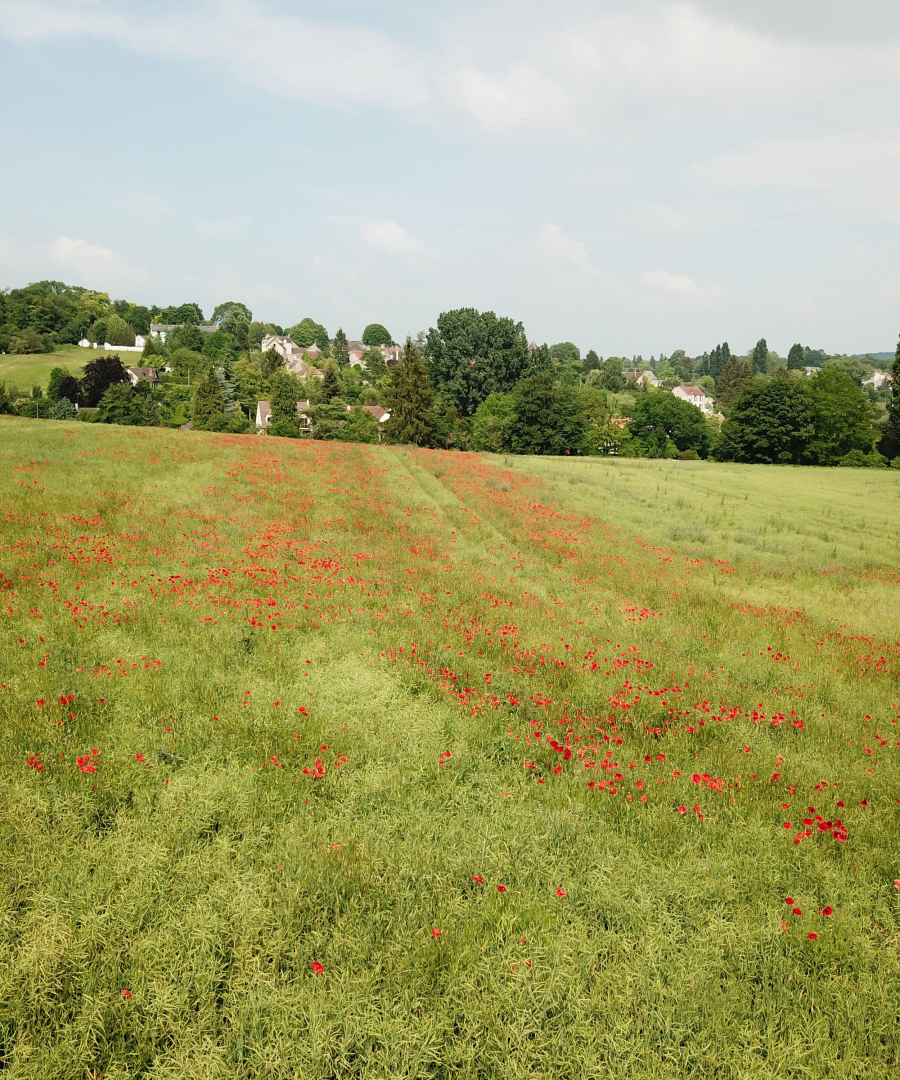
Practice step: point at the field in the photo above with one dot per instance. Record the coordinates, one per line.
(34, 370)
(329, 760)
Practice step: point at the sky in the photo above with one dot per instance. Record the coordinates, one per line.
(635, 176)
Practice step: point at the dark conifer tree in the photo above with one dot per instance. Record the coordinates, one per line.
(409, 399)
(341, 349)
(331, 384)
(894, 407)
(760, 356)
(208, 400)
(796, 359)
(734, 375)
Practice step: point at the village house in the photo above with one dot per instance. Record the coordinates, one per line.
(135, 374)
(695, 396)
(299, 360)
(877, 379)
(304, 420)
(647, 377)
(138, 346)
(391, 354)
(160, 330)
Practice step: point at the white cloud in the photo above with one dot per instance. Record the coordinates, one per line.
(523, 97)
(681, 288)
(555, 244)
(226, 228)
(857, 169)
(91, 262)
(390, 238)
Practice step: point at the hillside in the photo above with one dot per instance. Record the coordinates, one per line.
(329, 759)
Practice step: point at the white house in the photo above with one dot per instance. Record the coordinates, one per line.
(138, 346)
(695, 396)
(264, 416)
(646, 377)
(878, 378)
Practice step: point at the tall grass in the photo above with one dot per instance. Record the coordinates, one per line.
(305, 682)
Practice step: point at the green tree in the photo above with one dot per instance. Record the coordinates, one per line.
(375, 334)
(173, 316)
(27, 341)
(473, 354)
(7, 406)
(248, 382)
(359, 426)
(842, 416)
(894, 406)
(409, 399)
(549, 418)
(220, 348)
(208, 400)
(449, 431)
(374, 364)
(565, 350)
(270, 362)
(760, 357)
(145, 411)
(850, 365)
(283, 397)
(341, 349)
(329, 419)
(118, 332)
(186, 362)
(308, 332)
(232, 310)
(56, 377)
(770, 423)
(613, 378)
(591, 361)
(63, 410)
(796, 361)
(331, 384)
(98, 376)
(734, 375)
(493, 422)
(188, 336)
(662, 425)
(117, 405)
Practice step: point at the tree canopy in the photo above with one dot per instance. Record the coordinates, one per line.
(548, 417)
(98, 376)
(375, 334)
(472, 354)
(770, 423)
(663, 425)
(409, 399)
(308, 332)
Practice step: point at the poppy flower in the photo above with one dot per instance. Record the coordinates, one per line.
(789, 900)
(478, 880)
(827, 910)
(813, 937)
(126, 993)
(317, 968)
(560, 892)
(501, 888)
(682, 809)
(435, 933)
(787, 824)
(796, 911)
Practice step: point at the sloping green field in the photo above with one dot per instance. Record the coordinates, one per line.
(332, 760)
(34, 370)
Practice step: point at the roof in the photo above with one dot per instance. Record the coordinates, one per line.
(693, 391)
(166, 327)
(148, 373)
(380, 413)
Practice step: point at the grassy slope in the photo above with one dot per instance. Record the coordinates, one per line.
(28, 371)
(372, 587)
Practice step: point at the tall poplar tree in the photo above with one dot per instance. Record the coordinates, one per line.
(894, 407)
(730, 382)
(341, 348)
(409, 399)
(796, 358)
(760, 356)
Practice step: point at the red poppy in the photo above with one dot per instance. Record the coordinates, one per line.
(787, 824)
(796, 911)
(789, 899)
(828, 910)
(317, 968)
(435, 933)
(501, 888)
(126, 993)
(813, 937)
(560, 892)
(478, 880)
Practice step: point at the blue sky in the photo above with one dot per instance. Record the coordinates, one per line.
(631, 175)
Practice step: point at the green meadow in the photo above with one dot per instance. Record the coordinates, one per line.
(34, 369)
(334, 760)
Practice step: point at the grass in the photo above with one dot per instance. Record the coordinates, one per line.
(305, 684)
(34, 369)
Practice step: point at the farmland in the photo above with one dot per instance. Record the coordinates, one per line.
(328, 760)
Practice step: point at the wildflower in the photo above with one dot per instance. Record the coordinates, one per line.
(813, 937)
(787, 824)
(501, 888)
(561, 892)
(435, 933)
(478, 880)
(126, 993)
(317, 968)
(828, 910)
(796, 911)
(789, 900)
(682, 809)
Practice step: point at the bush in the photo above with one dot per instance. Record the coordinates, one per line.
(856, 459)
(285, 429)
(688, 455)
